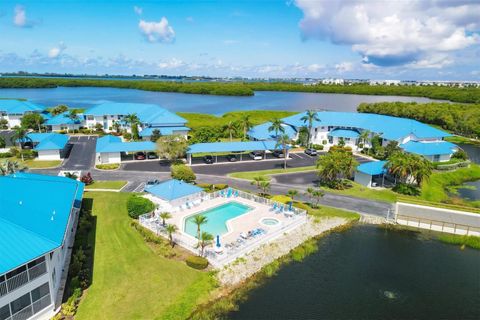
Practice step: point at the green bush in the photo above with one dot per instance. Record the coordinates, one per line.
(318, 146)
(212, 187)
(197, 262)
(406, 189)
(460, 154)
(27, 154)
(108, 166)
(6, 155)
(136, 206)
(127, 136)
(182, 172)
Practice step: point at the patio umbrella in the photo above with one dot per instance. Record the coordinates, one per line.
(218, 241)
(290, 206)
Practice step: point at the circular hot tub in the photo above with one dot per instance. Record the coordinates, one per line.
(270, 222)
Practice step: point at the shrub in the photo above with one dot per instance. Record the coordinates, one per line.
(406, 189)
(27, 154)
(108, 166)
(136, 206)
(324, 142)
(127, 136)
(318, 146)
(460, 154)
(182, 172)
(197, 262)
(6, 154)
(87, 178)
(212, 187)
(281, 198)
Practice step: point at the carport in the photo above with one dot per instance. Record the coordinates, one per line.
(49, 146)
(110, 148)
(368, 172)
(216, 148)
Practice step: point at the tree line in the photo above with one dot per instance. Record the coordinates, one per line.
(462, 119)
(456, 94)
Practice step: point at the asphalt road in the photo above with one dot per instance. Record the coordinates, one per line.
(82, 154)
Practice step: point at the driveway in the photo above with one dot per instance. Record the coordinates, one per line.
(82, 153)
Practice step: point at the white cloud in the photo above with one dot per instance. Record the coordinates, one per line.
(159, 31)
(20, 17)
(230, 42)
(57, 51)
(407, 32)
(173, 63)
(344, 67)
(138, 10)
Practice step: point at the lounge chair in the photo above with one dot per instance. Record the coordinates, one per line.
(274, 207)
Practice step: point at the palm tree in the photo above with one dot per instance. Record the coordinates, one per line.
(257, 180)
(364, 137)
(292, 193)
(116, 126)
(264, 186)
(206, 239)
(246, 124)
(309, 117)
(72, 115)
(19, 136)
(199, 220)
(230, 127)
(422, 169)
(133, 120)
(171, 229)
(317, 194)
(277, 126)
(10, 167)
(164, 216)
(283, 141)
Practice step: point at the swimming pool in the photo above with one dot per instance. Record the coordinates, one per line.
(216, 218)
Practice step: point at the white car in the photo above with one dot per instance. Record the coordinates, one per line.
(256, 155)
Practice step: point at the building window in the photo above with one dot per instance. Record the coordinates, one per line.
(90, 118)
(4, 312)
(40, 292)
(20, 303)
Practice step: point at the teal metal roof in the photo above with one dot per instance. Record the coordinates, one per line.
(147, 113)
(261, 132)
(391, 128)
(214, 147)
(173, 189)
(11, 106)
(164, 131)
(34, 213)
(344, 133)
(111, 143)
(429, 148)
(48, 140)
(373, 168)
(61, 119)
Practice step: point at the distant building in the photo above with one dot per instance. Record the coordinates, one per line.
(333, 127)
(38, 217)
(13, 110)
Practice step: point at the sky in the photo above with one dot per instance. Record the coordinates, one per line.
(403, 39)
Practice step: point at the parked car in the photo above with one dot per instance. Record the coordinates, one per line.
(152, 155)
(140, 156)
(278, 154)
(208, 159)
(311, 152)
(152, 182)
(256, 155)
(231, 157)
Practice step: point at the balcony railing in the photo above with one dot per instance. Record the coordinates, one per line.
(32, 309)
(22, 278)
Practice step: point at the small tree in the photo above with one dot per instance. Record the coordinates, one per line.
(199, 220)
(171, 229)
(136, 206)
(164, 216)
(10, 167)
(182, 172)
(32, 121)
(314, 194)
(155, 135)
(133, 120)
(308, 118)
(20, 135)
(276, 126)
(246, 124)
(72, 115)
(116, 126)
(264, 186)
(230, 128)
(283, 141)
(206, 239)
(257, 180)
(292, 193)
(171, 147)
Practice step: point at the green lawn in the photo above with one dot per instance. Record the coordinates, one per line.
(434, 189)
(36, 164)
(460, 139)
(130, 281)
(359, 191)
(113, 185)
(249, 175)
(324, 211)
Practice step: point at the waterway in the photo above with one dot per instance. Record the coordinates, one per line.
(370, 273)
(85, 97)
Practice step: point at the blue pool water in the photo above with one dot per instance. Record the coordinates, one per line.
(216, 218)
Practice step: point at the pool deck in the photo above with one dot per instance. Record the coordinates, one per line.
(242, 223)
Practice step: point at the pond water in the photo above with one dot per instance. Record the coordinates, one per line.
(84, 97)
(472, 150)
(370, 273)
(471, 191)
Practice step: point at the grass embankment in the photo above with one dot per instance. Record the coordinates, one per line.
(469, 94)
(108, 166)
(435, 188)
(249, 175)
(112, 185)
(462, 140)
(468, 241)
(199, 120)
(131, 281)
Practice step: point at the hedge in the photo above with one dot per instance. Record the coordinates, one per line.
(182, 172)
(197, 262)
(136, 206)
